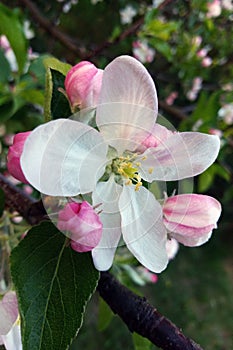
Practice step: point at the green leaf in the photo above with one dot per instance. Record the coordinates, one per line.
(2, 201)
(141, 343)
(53, 284)
(105, 315)
(54, 63)
(206, 179)
(5, 68)
(51, 91)
(11, 27)
(8, 109)
(60, 107)
(160, 29)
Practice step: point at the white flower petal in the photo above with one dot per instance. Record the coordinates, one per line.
(8, 312)
(124, 126)
(64, 157)
(142, 227)
(194, 241)
(125, 79)
(107, 193)
(181, 156)
(12, 340)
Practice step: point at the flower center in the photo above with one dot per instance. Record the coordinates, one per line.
(125, 167)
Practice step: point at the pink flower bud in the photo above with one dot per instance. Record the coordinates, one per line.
(83, 224)
(190, 218)
(14, 154)
(202, 53)
(83, 83)
(206, 62)
(171, 98)
(158, 135)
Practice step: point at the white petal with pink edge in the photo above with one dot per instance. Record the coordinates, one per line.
(142, 227)
(182, 155)
(124, 126)
(107, 194)
(64, 158)
(193, 210)
(192, 241)
(12, 340)
(125, 79)
(8, 312)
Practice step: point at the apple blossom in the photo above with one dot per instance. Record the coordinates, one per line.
(227, 4)
(206, 62)
(84, 225)
(9, 322)
(83, 84)
(127, 14)
(142, 51)
(14, 154)
(191, 218)
(67, 158)
(226, 113)
(214, 8)
(171, 98)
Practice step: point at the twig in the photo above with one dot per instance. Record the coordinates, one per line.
(16, 199)
(176, 112)
(50, 28)
(141, 317)
(122, 36)
(66, 40)
(135, 311)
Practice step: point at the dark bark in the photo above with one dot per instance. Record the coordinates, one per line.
(141, 317)
(16, 199)
(135, 311)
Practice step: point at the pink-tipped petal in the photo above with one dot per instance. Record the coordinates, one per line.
(8, 312)
(83, 225)
(180, 156)
(128, 106)
(190, 218)
(83, 84)
(125, 79)
(14, 154)
(159, 134)
(12, 340)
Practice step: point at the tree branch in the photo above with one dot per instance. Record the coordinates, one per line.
(66, 40)
(16, 199)
(51, 29)
(135, 311)
(176, 112)
(141, 317)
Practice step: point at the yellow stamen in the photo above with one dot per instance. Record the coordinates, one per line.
(129, 182)
(137, 186)
(150, 170)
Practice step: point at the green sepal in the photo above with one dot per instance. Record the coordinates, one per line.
(56, 104)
